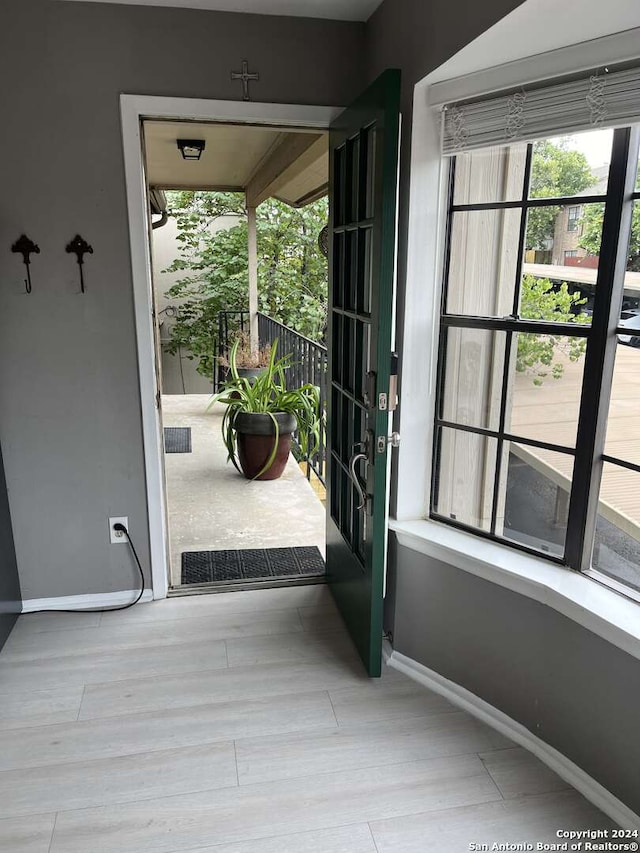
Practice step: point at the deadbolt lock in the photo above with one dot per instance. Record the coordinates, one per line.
(383, 441)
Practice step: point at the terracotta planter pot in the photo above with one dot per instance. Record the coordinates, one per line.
(256, 435)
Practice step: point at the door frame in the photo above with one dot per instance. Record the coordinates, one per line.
(133, 110)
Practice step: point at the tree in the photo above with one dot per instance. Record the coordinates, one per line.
(555, 171)
(537, 354)
(592, 220)
(292, 272)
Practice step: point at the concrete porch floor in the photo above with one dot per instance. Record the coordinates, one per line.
(213, 507)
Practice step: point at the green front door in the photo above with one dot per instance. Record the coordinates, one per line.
(363, 172)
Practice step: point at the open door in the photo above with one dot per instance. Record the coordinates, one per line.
(363, 173)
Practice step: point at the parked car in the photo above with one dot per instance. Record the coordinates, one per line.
(630, 320)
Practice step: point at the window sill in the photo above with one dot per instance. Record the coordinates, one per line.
(606, 613)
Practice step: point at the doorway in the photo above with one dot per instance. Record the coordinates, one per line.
(135, 110)
(237, 216)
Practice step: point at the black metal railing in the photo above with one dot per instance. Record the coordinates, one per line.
(230, 323)
(308, 364)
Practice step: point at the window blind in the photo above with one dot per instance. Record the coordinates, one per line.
(601, 99)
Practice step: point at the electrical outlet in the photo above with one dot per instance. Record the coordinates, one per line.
(116, 537)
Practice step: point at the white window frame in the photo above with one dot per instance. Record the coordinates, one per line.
(607, 613)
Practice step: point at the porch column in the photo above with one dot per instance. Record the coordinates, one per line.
(253, 277)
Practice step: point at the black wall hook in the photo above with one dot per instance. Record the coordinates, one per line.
(26, 247)
(80, 248)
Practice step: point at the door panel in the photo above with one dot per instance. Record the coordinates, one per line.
(363, 158)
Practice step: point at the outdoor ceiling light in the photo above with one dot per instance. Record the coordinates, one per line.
(191, 149)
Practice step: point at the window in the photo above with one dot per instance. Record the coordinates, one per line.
(527, 388)
(573, 217)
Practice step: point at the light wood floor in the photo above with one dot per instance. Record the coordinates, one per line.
(243, 723)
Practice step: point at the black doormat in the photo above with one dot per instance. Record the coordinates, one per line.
(177, 439)
(250, 564)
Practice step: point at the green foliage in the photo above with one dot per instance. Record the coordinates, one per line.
(537, 354)
(195, 209)
(555, 171)
(592, 220)
(216, 279)
(268, 394)
(292, 272)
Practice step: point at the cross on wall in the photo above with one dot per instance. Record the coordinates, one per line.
(245, 75)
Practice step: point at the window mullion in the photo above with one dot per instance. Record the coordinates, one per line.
(442, 343)
(495, 501)
(522, 238)
(600, 355)
(508, 346)
(511, 324)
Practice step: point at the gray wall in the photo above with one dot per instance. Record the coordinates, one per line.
(179, 375)
(10, 600)
(70, 421)
(418, 37)
(569, 687)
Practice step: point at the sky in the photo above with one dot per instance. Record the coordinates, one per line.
(594, 144)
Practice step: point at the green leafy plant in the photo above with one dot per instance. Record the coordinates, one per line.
(268, 394)
(537, 354)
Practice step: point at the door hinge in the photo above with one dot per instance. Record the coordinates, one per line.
(158, 399)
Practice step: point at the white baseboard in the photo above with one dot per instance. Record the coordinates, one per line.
(94, 601)
(477, 707)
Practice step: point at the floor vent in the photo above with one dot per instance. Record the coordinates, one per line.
(177, 439)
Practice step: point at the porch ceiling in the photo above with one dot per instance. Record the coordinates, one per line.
(264, 162)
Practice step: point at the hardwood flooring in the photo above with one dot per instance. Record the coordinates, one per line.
(244, 723)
